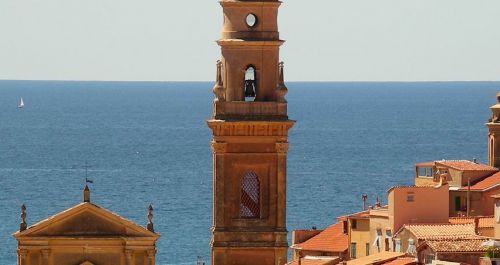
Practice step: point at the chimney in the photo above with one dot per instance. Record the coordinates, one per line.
(378, 204)
(474, 160)
(86, 194)
(476, 225)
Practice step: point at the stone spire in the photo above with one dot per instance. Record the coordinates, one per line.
(86, 194)
(23, 224)
(150, 226)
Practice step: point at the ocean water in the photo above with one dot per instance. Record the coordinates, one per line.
(147, 142)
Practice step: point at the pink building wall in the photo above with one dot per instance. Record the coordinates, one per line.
(418, 205)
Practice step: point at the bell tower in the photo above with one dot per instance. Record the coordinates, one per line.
(494, 135)
(250, 138)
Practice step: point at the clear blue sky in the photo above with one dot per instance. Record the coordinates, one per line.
(327, 40)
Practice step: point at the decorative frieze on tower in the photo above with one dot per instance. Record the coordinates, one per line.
(494, 135)
(250, 138)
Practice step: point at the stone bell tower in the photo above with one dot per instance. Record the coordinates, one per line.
(250, 138)
(494, 135)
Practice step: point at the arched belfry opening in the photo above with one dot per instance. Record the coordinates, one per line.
(250, 86)
(250, 196)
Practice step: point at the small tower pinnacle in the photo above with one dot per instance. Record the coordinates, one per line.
(494, 134)
(86, 194)
(23, 224)
(150, 226)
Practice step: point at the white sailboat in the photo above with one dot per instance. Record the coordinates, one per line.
(21, 103)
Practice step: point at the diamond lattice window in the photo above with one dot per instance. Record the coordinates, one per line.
(250, 196)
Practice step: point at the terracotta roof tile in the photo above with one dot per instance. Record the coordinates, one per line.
(484, 221)
(315, 260)
(332, 239)
(402, 261)
(457, 245)
(436, 231)
(363, 214)
(377, 258)
(466, 165)
(486, 183)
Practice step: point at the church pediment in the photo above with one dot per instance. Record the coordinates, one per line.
(86, 220)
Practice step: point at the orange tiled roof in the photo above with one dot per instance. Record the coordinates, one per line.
(457, 245)
(436, 231)
(311, 260)
(332, 239)
(402, 261)
(486, 183)
(363, 214)
(377, 258)
(466, 165)
(425, 164)
(483, 221)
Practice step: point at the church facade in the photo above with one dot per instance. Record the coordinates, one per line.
(86, 234)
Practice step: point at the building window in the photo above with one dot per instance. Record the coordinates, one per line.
(410, 197)
(367, 250)
(250, 83)
(460, 204)
(429, 258)
(412, 250)
(425, 172)
(353, 250)
(344, 226)
(397, 247)
(354, 224)
(250, 196)
(388, 236)
(378, 237)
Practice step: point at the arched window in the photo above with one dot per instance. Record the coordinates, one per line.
(250, 83)
(250, 196)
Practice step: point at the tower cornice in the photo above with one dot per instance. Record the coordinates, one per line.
(228, 3)
(245, 44)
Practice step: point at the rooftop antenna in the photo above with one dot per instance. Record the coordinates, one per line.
(199, 260)
(86, 190)
(364, 197)
(87, 180)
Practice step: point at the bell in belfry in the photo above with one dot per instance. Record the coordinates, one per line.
(250, 88)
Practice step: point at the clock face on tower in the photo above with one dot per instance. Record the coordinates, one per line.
(251, 20)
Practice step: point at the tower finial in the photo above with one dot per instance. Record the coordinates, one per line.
(23, 224)
(219, 85)
(150, 225)
(281, 89)
(86, 194)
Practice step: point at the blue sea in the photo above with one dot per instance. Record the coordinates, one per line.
(148, 143)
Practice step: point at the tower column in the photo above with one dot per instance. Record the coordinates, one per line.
(219, 150)
(281, 149)
(151, 256)
(23, 254)
(45, 256)
(129, 257)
